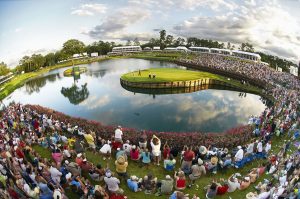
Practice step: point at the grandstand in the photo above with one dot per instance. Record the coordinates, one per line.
(126, 49)
(235, 53)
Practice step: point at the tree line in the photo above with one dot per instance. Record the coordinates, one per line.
(74, 46)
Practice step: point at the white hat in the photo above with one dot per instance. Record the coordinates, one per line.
(76, 127)
(127, 141)
(247, 178)
(168, 177)
(200, 162)
(68, 176)
(15, 147)
(84, 160)
(134, 147)
(66, 162)
(79, 155)
(118, 149)
(239, 147)
(134, 178)
(108, 174)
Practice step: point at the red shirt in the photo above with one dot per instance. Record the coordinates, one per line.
(180, 183)
(188, 155)
(114, 196)
(166, 153)
(116, 145)
(134, 154)
(78, 161)
(20, 153)
(222, 189)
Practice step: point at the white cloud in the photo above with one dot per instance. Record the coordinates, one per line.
(82, 12)
(215, 5)
(115, 26)
(265, 24)
(90, 9)
(94, 102)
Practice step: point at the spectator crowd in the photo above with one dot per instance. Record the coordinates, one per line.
(25, 173)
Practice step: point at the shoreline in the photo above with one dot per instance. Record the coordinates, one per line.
(19, 80)
(229, 138)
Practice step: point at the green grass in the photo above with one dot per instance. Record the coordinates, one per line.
(159, 172)
(167, 75)
(173, 75)
(69, 71)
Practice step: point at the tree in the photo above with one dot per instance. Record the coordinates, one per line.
(128, 43)
(51, 59)
(169, 40)
(26, 63)
(179, 42)
(162, 39)
(38, 61)
(228, 45)
(4, 70)
(73, 46)
(136, 42)
(101, 47)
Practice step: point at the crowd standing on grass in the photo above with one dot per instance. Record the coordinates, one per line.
(24, 173)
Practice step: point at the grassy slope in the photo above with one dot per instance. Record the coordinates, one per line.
(159, 172)
(173, 75)
(167, 75)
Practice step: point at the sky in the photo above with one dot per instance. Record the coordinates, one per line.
(34, 26)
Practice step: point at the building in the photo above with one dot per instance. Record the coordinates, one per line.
(225, 51)
(215, 50)
(126, 49)
(294, 70)
(170, 49)
(84, 54)
(182, 49)
(156, 48)
(95, 54)
(199, 49)
(246, 55)
(235, 53)
(147, 49)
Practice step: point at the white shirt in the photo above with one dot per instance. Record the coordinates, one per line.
(263, 195)
(118, 133)
(278, 193)
(239, 155)
(282, 180)
(64, 139)
(112, 183)
(259, 147)
(66, 153)
(232, 186)
(268, 147)
(55, 174)
(105, 148)
(155, 148)
(250, 148)
(127, 147)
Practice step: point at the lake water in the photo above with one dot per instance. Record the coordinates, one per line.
(98, 95)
